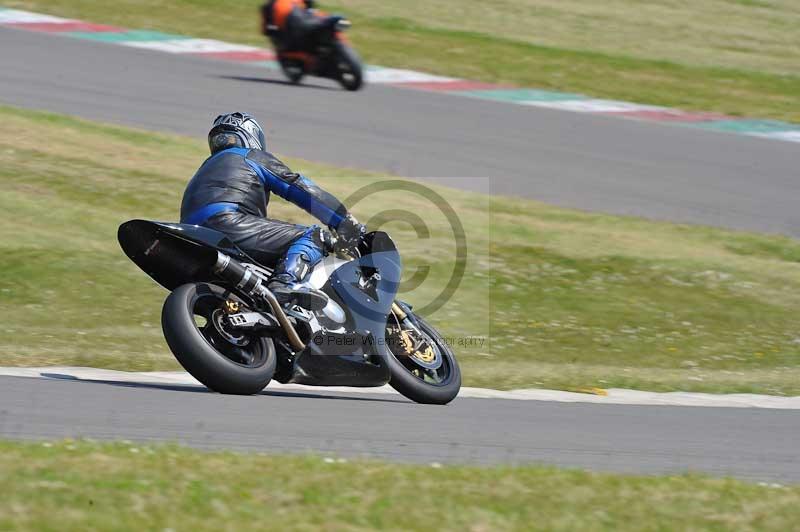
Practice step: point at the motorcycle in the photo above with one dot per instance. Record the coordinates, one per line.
(329, 55)
(228, 330)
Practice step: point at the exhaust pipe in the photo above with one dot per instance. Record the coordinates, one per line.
(245, 280)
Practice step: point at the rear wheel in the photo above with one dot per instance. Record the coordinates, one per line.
(225, 361)
(293, 70)
(348, 66)
(423, 366)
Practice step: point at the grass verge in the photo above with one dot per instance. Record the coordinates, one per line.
(726, 56)
(86, 485)
(564, 298)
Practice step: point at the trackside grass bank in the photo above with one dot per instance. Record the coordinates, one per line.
(86, 485)
(731, 56)
(550, 297)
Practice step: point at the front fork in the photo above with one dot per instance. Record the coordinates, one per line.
(403, 318)
(398, 311)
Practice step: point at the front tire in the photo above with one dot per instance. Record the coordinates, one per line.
(434, 387)
(348, 66)
(225, 364)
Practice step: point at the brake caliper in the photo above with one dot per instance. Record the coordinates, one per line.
(426, 355)
(419, 350)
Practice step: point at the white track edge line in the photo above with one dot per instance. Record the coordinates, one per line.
(613, 396)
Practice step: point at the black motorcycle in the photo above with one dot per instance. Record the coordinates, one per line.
(228, 330)
(327, 55)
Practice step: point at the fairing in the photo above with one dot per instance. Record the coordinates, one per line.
(366, 288)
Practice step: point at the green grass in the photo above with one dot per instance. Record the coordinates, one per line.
(741, 35)
(85, 485)
(564, 299)
(727, 56)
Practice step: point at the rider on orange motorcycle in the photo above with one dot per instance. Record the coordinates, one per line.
(293, 23)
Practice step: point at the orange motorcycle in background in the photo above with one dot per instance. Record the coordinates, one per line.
(310, 42)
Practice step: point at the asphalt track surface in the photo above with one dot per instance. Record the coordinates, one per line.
(756, 444)
(576, 160)
(585, 161)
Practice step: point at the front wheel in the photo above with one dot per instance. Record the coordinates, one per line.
(348, 67)
(225, 361)
(422, 365)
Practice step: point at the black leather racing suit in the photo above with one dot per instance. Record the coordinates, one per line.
(231, 191)
(300, 28)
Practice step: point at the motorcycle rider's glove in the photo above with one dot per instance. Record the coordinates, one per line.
(350, 232)
(327, 240)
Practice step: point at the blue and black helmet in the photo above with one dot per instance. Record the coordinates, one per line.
(236, 130)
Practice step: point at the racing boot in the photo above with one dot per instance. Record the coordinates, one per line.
(288, 283)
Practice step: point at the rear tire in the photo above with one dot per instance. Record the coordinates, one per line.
(192, 347)
(293, 70)
(418, 390)
(348, 66)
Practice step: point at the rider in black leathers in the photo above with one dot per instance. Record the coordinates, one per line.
(230, 193)
(293, 23)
